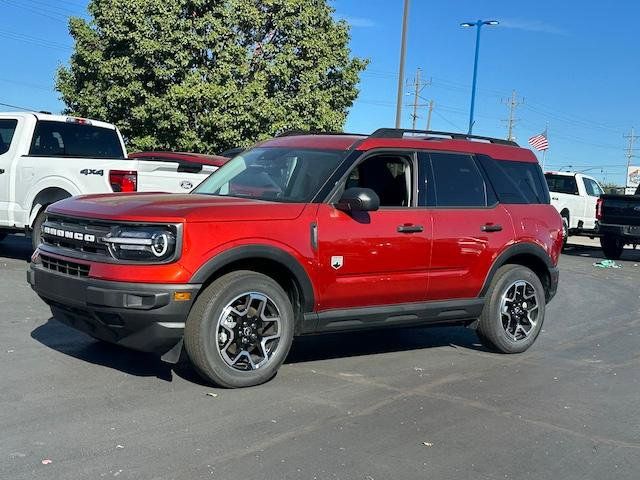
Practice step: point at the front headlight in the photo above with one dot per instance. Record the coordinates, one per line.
(147, 244)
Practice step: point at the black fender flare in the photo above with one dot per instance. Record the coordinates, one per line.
(264, 252)
(512, 251)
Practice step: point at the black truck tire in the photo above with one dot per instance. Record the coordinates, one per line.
(612, 247)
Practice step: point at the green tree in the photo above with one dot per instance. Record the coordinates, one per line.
(205, 75)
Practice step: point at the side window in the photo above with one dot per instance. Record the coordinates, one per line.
(7, 129)
(457, 181)
(593, 189)
(515, 182)
(390, 176)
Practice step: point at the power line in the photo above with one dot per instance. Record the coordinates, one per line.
(17, 108)
(40, 42)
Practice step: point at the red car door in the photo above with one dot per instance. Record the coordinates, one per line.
(469, 226)
(379, 257)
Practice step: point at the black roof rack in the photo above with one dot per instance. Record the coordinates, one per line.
(295, 133)
(400, 132)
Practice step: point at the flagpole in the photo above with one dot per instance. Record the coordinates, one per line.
(544, 152)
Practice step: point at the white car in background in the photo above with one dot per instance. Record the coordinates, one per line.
(45, 158)
(575, 196)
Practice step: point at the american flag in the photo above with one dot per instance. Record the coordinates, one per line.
(539, 142)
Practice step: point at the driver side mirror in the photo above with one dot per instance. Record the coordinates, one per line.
(358, 200)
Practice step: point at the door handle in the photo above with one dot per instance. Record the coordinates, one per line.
(1, 171)
(491, 227)
(410, 228)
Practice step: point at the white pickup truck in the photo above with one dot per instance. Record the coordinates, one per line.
(575, 196)
(45, 158)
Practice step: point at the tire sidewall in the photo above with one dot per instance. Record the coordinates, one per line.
(217, 369)
(36, 230)
(493, 322)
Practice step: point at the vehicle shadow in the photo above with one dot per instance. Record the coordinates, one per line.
(352, 344)
(64, 339)
(587, 251)
(69, 341)
(16, 247)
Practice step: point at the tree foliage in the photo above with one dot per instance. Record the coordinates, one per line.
(205, 75)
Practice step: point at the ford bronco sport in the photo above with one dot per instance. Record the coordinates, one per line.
(306, 234)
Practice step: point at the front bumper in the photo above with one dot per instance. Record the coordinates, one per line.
(139, 316)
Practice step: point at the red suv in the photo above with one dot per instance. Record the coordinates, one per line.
(305, 234)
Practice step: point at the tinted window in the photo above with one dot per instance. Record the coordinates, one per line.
(7, 129)
(389, 176)
(593, 189)
(515, 182)
(457, 181)
(58, 139)
(562, 183)
(278, 174)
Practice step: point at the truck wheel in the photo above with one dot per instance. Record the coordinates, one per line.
(240, 330)
(514, 310)
(612, 247)
(565, 231)
(36, 230)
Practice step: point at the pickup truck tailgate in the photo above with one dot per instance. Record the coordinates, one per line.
(621, 210)
(167, 177)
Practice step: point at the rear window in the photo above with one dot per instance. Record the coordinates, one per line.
(58, 139)
(562, 183)
(516, 182)
(7, 129)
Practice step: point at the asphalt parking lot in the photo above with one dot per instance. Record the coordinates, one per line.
(402, 404)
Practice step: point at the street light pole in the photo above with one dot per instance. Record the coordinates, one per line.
(403, 51)
(478, 24)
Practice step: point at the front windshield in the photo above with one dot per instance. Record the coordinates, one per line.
(277, 174)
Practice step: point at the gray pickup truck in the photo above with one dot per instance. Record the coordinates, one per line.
(618, 219)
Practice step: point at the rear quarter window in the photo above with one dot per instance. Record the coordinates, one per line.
(7, 129)
(516, 182)
(58, 139)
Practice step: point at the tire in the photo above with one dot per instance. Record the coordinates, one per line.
(214, 341)
(612, 247)
(517, 330)
(565, 231)
(36, 230)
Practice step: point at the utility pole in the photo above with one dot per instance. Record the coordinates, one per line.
(630, 153)
(403, 51)
(418, 86)
(512, 103)
(431, 104)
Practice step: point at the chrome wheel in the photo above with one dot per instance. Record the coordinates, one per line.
(519, 310)
(248, 331)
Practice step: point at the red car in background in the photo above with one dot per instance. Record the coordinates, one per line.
(191, 162)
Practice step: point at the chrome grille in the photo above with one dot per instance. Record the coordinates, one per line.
(64, 266)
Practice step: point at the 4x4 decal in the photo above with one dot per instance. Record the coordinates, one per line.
(90, 171)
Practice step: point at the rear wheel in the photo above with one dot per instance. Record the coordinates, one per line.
(36, 230)
(565, 231)
(612, 247)
(240, 330)
(514, 312)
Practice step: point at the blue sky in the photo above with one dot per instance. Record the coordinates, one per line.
(575, 64)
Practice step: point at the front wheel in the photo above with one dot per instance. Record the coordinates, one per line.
(565, 231)
(240, 330)
(612, 247)
(514, 310)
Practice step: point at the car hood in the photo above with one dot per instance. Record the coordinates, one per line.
(174, 208)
